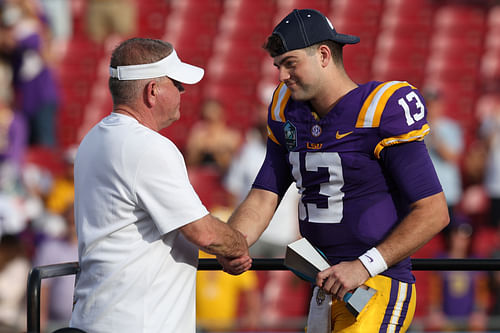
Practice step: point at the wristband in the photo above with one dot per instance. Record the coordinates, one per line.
(373, 261)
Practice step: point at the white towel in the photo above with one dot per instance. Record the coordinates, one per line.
(319, 319)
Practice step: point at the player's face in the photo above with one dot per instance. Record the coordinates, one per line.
(169, 95)
(299, 70)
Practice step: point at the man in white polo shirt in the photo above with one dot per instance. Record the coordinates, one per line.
(139, 221)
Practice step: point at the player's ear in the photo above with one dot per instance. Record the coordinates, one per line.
(325, 55)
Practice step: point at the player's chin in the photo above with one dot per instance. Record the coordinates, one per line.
(298, 95)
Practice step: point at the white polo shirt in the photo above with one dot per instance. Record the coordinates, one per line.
(132, 193)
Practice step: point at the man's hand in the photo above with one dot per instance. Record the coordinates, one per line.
(342, 278)
(235, 266)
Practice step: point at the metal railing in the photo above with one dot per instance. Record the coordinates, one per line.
(49, 271)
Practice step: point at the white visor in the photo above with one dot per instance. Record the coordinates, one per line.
(170, 66)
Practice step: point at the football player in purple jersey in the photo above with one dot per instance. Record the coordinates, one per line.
(369, 194)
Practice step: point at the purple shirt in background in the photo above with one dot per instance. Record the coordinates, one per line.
(34, 82)
(17, 141)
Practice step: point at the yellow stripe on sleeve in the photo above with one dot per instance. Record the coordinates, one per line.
(416, 135)
(271, 136)
(280, 98)
(372, 109)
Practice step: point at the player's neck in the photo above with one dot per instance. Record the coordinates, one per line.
(331, 93)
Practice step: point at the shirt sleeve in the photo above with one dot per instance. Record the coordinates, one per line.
(411, 168)
(403, 119)
(164, 191)
(274, 175)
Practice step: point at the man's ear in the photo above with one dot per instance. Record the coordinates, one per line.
(150, 93)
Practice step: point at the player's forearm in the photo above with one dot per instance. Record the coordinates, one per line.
(253, 215)
(427, 217)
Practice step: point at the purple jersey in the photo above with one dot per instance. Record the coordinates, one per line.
(352, 194)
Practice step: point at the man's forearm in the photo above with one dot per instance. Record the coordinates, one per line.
(227, 242)
(216, 237)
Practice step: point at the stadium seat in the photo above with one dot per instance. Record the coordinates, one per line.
(390, 41)
(391, 66)
(492, 39)
(244, 8)
(461, 19)
(456, 43)
(404, 7)
(490, 65)
(486, 103)
(207, 183)
(358, 62)
(407, 24)
(493, 19)
(238, 65)
(288, 5)
(366, 12)
(450, 60)
(152, 18)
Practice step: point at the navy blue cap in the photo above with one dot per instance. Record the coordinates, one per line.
(305, 27)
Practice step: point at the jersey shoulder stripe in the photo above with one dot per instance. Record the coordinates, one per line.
(416, 135)
(280, 99)
(371, 111)
(271, 136)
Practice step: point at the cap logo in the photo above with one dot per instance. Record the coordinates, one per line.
(329, 23)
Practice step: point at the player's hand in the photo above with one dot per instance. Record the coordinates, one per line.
(235, 266)
(342, 278)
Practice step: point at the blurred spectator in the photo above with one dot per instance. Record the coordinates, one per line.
(36, 91)
(12, 124)
(60, 19)
(445, 144)
(211, 142)
(12, 217)
(283, 228)
(490, 132)
(14, 269)
(110, 18)
(226, 302)
(62, 192)
(13, 130)
(458, 297)
(56, 301)
(13, 136)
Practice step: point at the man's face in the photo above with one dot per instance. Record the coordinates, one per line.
(169, 96)
(299, 70)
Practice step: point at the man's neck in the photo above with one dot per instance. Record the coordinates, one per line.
(141, 117)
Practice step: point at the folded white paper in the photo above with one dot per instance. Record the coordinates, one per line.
(305, 260)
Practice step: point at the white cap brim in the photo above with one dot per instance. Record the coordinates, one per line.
(170, 66)
(186, 73)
